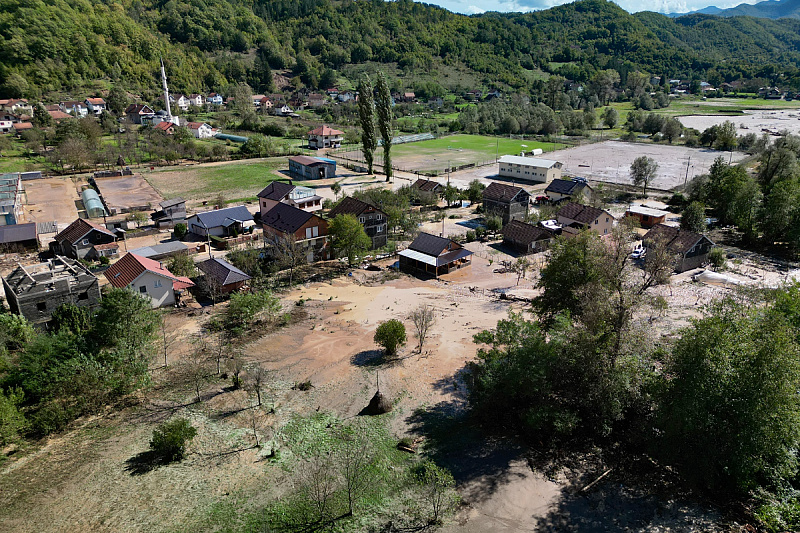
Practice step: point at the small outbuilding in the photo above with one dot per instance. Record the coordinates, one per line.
(433, 255)
(647, 216)
(173, 211)
(223, 274)
(691, 249)
(16, 236)
(526, 238)
(304, 167)
(92, 203)
(559, 190)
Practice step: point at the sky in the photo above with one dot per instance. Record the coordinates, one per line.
(471, 7)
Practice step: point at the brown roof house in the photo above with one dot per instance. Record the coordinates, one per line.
(526, 238)
(35, 291)
(288, 222)
(325, 137)
(80, 239)
(690, 249)
(149, 278)
(276, 192)
(505, 201)
(374, 220)
(433, 256)
(647, 216)
(223, 275)
(575, 218)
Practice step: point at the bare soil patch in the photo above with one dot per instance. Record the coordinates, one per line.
(51, 199)
(128, 193)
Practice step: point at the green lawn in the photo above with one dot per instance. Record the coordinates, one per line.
(236, 180)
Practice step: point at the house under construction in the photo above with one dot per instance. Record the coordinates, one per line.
(10, 198)
(35, 291)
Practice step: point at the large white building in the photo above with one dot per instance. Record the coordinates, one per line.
(531, 169)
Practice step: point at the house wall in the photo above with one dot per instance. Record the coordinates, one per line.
(508, 211)
(602, 225)
(159, 296)
(38, 303)
(324, 141)
(195, 227)
(376, 227)
(83, 248)
(317, 171)
(265, 205)
(529, 172)
(535, 247)
(647, 221)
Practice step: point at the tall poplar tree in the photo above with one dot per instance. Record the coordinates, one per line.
(366, 113)
(383, 108)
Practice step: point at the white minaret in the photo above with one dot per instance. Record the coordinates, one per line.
(166, 94)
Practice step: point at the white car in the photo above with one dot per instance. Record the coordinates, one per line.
(638, 253)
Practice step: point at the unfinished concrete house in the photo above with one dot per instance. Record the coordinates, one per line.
(35, 291)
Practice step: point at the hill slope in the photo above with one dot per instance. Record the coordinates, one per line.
(63, 45)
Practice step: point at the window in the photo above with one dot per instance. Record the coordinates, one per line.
(143, 289)
(85, 242)
(308, 233)
(315, 231)
(157, 284)
(362, 219)
(41, 306)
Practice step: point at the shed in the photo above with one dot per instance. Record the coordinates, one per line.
(526, 238)
(434, 255)
(92, 203)
(223, 274)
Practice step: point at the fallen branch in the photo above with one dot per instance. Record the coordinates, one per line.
(596, 481)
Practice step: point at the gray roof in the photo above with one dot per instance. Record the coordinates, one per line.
(169, 203)
(17, 233)
(430, 244)
(277, 190)
(224, 217)
(285, 218)
(223, 272)
(160, 249)
(565, 187)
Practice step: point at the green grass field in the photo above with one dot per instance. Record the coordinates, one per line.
(236, 180)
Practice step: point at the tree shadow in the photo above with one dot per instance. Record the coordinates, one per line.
(144, 462)
(373, 359)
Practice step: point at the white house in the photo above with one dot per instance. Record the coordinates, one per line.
(73, 107)
(95, 105)
(196, 100)
(325, 137)
(6, 126)
(529, 169)
(180, 100)
(200, 130)
(149, 278)
(214, 99)
(285, 111)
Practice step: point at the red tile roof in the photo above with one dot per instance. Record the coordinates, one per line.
(96, 101)
(75, 231)
(131, 266)
(325, 130)
(59, 115)
(164, 126)
(22, 126)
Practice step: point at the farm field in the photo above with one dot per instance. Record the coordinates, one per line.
(236, 180)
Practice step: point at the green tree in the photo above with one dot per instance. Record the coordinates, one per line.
(366, 115)
(383, 110)
(348, 237)
(731, 413)
(12, 421)
(170, 439)
(693, 217)
(391, 335)
(41, 118)
(726, 136)
(117, 100)
(245, 308)
(610, 117)
(438, 489)
(643, 171)
(672, 129)
(475, 191)
(71, 318)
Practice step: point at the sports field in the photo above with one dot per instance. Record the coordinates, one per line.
(452, 151)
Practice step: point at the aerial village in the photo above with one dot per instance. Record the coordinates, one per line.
(325, 236)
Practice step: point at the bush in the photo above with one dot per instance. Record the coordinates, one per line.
(470, 235)
(104, 260)
(391, 335)
(180, 230)
(171, 438)
(717, 259)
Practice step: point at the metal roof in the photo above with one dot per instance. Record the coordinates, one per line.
(528, 161)
(649, 211)
(222, 217)
(285, 218)
(17, 233)
(160, 249)
(436, 261)
(277, 190)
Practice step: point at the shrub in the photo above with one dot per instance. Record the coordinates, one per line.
(171, 438)
(391, 335)
(717, 258)
(470, 235)
(180, 230)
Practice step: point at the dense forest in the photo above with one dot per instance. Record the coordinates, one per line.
(67, 45)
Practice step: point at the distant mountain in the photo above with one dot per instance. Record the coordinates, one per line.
(769, 9)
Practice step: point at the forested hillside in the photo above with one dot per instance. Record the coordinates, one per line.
(63, 45)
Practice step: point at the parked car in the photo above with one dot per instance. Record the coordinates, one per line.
(580, 179)
(638, 252)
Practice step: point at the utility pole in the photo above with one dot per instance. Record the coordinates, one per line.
(685, 179)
